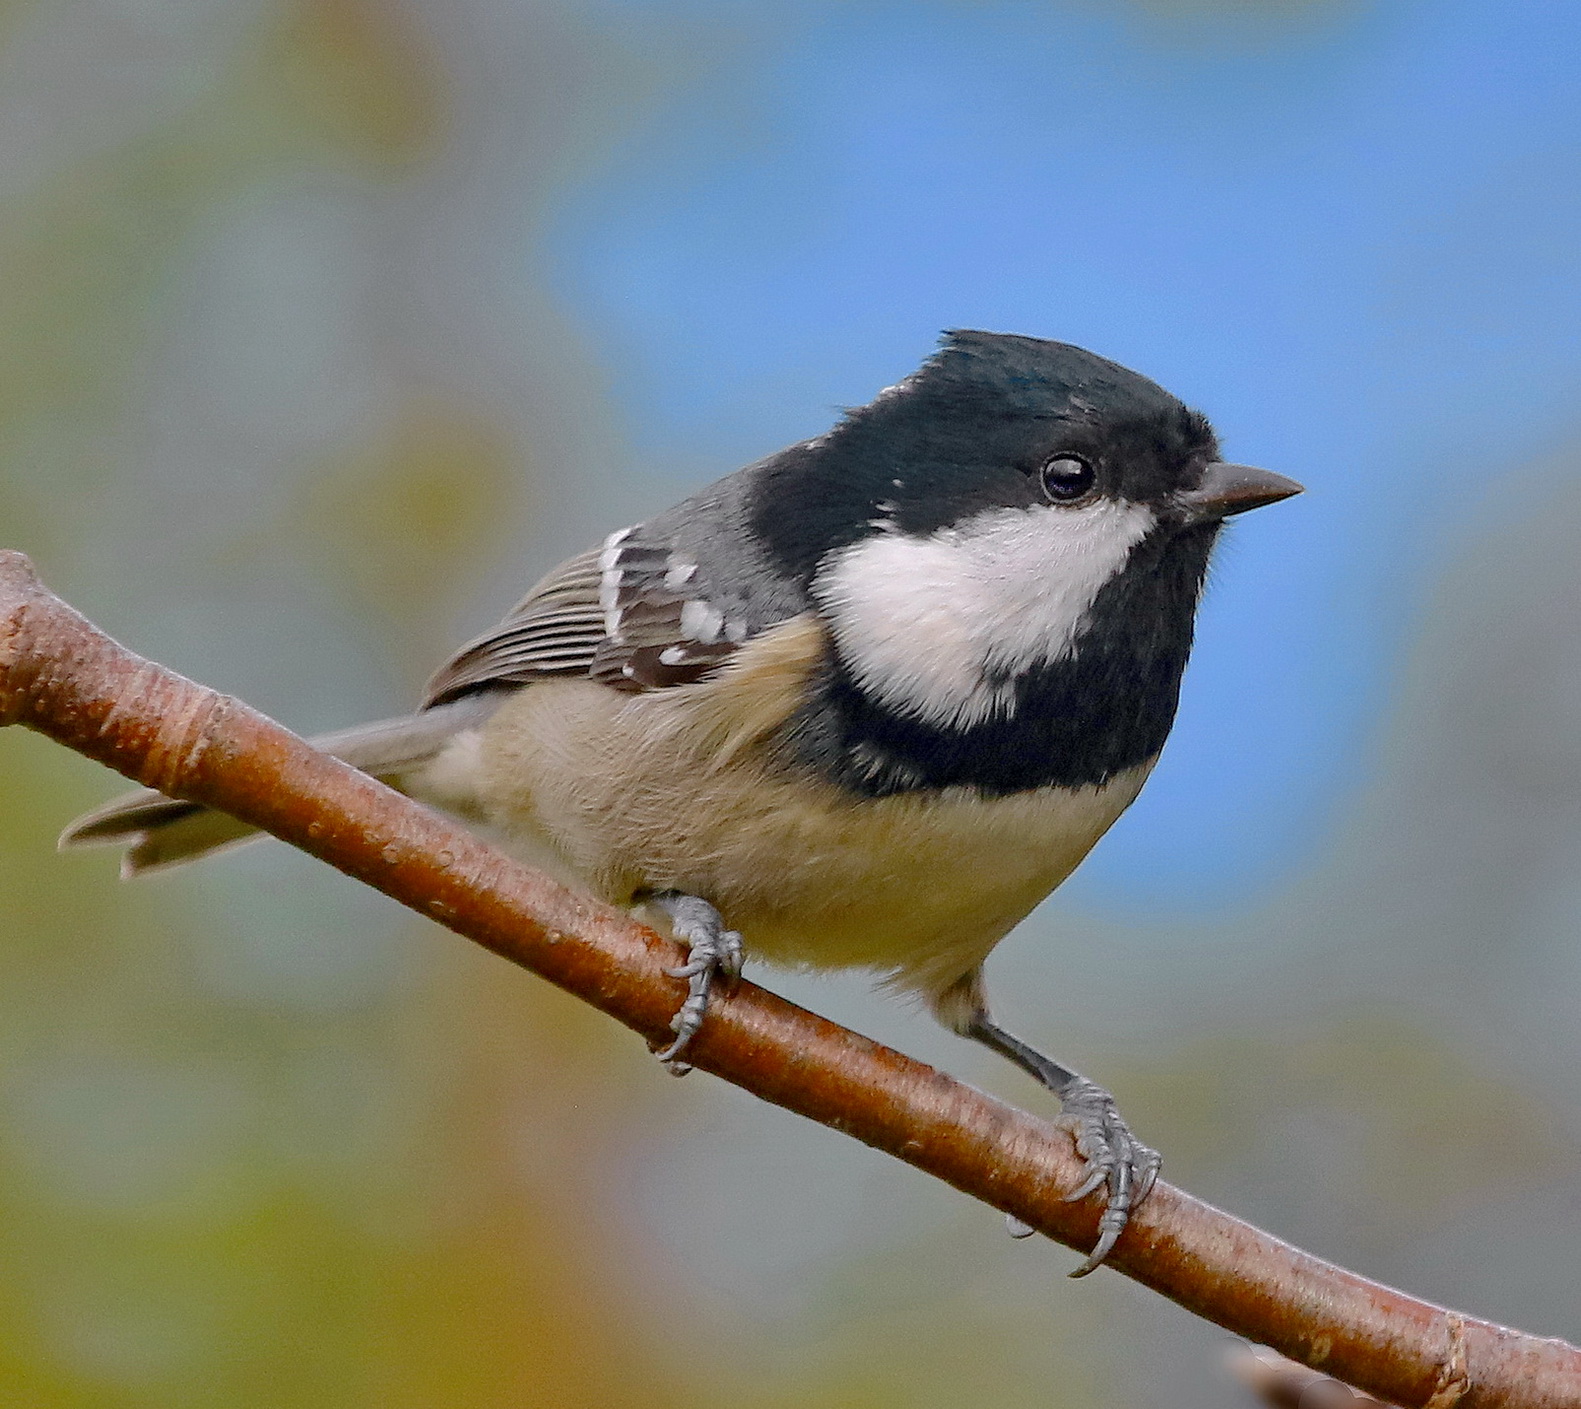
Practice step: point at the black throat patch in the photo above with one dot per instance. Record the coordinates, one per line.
(1076, 723)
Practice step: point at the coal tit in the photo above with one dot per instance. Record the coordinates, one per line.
(862, 704)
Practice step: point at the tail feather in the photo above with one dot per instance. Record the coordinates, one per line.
(159, 831)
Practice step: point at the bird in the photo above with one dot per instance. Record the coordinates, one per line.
(862, 704)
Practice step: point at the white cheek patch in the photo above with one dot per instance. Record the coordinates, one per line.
(939, 627)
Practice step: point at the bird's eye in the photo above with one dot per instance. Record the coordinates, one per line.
(1067, 478)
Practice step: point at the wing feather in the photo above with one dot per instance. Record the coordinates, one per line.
(633, 614)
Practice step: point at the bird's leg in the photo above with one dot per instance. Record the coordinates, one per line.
(1113, 1158)
(713, 954)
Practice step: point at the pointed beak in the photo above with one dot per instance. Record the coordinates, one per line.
(1233, 489)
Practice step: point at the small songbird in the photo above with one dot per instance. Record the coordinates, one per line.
(862, 704)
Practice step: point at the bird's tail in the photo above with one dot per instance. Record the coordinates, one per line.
(159, 831)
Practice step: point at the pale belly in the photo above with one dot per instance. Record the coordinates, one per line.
(632, 793)
(919, 886)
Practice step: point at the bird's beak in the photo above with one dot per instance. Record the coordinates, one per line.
(1233, 489)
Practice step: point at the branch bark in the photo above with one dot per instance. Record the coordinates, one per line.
(63, 677)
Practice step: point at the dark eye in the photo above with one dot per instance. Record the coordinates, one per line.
(1067, 478)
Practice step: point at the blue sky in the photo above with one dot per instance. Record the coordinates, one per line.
(1353, 239)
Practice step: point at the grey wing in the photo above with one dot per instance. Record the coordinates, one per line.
(635, 614)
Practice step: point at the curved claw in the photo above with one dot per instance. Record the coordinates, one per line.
(714, 957)
(1110, 1226)
(1115, 1160)
(1152, 1165)
(684, 1030)
(1097, 1175)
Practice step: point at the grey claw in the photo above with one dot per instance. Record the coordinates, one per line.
(1098, 1174)
(1017, 1228)
(714, 956)
(1110, 1226)
(1149, 1178)
(1114, 1158)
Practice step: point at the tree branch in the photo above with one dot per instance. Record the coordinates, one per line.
(63, 677)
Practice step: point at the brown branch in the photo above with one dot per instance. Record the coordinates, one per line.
(63, 677)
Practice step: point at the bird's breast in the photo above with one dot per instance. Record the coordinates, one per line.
(921, 884)
(681, 789)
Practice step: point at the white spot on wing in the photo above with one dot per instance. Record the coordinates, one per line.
(939, 627)
(610, 577)
(701, 622)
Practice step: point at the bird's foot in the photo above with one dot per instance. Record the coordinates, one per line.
(713, 956)
(1113, 1158)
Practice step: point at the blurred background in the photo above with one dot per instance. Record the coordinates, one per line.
(328, 325)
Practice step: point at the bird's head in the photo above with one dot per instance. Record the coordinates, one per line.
(964, 528)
